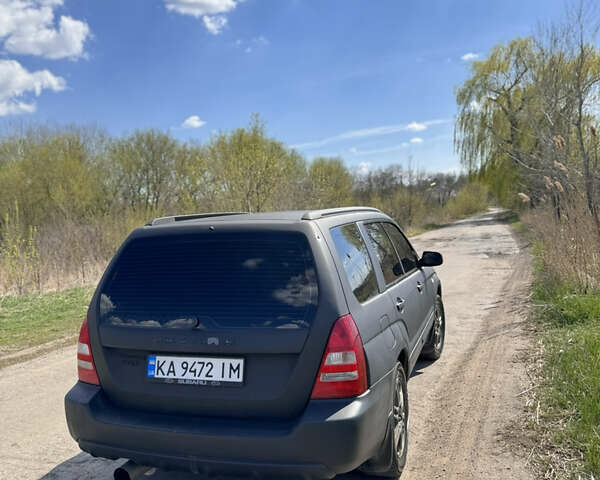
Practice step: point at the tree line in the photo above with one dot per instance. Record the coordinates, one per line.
(70, 194)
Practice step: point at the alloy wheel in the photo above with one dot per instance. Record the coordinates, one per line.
(438, 329)
(399, 417)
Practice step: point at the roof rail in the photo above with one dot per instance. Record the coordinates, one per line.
(314, 214)
(193, 216)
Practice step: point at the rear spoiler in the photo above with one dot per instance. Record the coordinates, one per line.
(193, 216)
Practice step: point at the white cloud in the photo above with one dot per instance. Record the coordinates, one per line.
(215, 23)
(401, 146)
(27, 27)
(199, 8)
(469, 57)
(261, 40)
(379, 151)
(211, 11)
(193, 122)
(364, 167)
(416, 140)
(17, 82)
(253, 44)
(416, 127)
(370, 132)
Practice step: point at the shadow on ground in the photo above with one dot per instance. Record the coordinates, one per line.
(420, 366)
(86, 467)
(493, 217)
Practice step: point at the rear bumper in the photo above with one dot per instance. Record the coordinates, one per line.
(330, 437)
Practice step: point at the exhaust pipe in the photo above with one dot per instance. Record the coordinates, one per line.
(130, 471)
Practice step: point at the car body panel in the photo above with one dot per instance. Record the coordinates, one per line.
(273, 426)
(329, 437)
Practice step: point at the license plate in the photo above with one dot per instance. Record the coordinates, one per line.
(196, 370)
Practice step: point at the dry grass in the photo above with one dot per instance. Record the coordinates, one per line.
(550, 457)
(563, 401)
(68, 254)
(570, 247)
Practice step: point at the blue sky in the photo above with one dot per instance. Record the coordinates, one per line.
(372, 81)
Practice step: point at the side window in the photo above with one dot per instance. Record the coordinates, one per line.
(407, 254)
(385, 251)
(353, 254)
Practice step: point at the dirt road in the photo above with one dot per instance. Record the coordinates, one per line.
(460, 405)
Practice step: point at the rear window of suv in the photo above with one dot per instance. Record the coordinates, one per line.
(215, 280)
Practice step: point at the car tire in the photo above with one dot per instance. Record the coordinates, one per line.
(390, 461)
(432, 350)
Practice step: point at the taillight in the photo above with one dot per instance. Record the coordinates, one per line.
(86, 368)
(343, 371)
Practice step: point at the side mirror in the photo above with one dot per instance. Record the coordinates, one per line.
(398, 270)
(431, 259)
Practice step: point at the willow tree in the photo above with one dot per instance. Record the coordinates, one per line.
(492, 132)
(527, 114)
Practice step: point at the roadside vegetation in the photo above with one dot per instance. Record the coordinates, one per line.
(70, 195)
(567, 394)
(528, 128)
(30, 320)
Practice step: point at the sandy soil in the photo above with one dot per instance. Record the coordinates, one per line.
(461, 405)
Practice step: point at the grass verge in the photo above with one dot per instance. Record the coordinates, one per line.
(569, 391)
(31, 320)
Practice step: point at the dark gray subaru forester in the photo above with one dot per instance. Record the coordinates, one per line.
(272, 343)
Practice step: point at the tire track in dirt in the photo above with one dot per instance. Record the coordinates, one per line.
(475, 397)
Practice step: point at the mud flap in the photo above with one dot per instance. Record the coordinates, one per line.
(382, 462)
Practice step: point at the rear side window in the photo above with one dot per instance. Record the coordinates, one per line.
(385, 251)
(212, 281)
(408, 258)
(353, 254)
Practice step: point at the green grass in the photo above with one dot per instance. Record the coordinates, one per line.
(35, 319)
(571, 389)
(516, 224)
(513, 219)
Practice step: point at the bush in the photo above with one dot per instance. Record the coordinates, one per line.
(19, 257)
(473, 198)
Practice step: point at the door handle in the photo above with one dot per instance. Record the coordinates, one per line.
(400, 304)
(419, 286)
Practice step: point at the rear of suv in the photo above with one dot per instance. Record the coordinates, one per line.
(276, 343)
